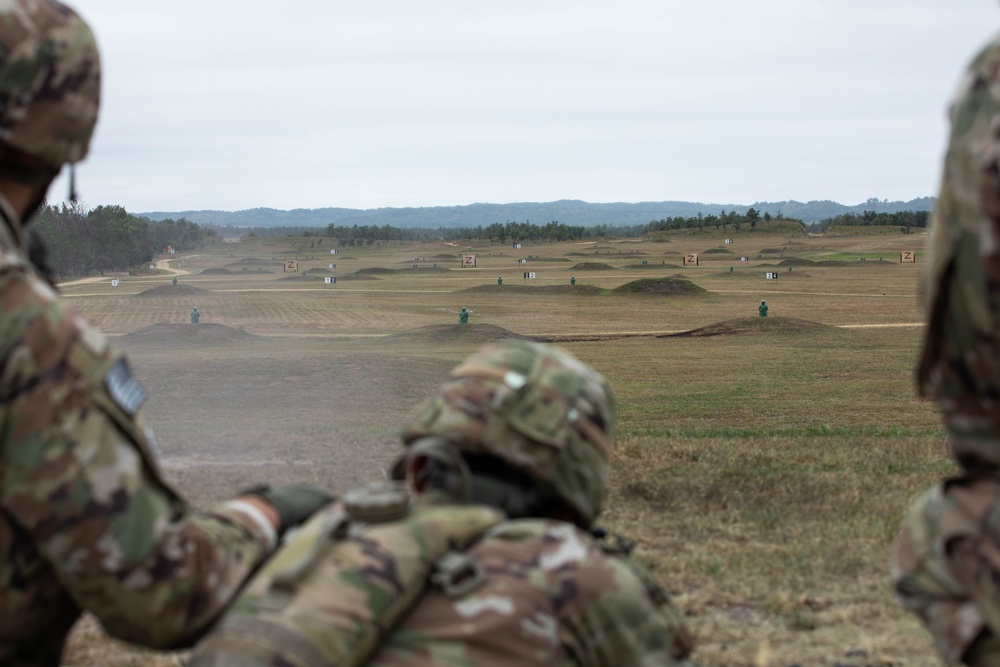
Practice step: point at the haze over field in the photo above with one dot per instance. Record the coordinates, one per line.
(211, 106)
(565, 212)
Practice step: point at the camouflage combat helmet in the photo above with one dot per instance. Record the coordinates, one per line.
(49, 87)
(535, 407)
(960, 362)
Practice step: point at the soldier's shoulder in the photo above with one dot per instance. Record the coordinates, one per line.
(955, 508)
(987, 58)
(983, 69)
(599, 562)
(38, 331)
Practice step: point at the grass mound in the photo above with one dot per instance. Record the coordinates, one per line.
(796, 261)
(204, 334)
(215, 271)
(592, 266)
(173, 290)
(753, 326)
(449, 334)
(716, 251)
(661, 287)
(375, 270)
(299, 278)
(579, 290)
(354, 276)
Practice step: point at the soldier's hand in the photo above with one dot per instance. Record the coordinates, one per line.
(294, 504)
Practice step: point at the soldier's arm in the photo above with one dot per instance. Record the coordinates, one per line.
(78, 478)
(629, 620)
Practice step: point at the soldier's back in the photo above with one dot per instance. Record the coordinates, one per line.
(550, 595)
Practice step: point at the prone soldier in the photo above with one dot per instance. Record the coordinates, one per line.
(487, 555)
(86, 520)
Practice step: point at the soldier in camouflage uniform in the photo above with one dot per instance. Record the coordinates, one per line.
(946, 562)
(86, 520)
(511, 457)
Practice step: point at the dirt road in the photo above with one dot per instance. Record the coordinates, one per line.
(164, 265)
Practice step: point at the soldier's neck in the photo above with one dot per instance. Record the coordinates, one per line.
(21, 196)
(18, 202)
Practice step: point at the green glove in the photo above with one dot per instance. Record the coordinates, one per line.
(295, 504)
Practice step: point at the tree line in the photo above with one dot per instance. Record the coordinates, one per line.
(109, 238)
(514, 231)
(905, 220)
(496, 233)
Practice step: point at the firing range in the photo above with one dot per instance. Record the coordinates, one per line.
(737, 434)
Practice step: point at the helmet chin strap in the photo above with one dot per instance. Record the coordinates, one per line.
(444, 468)
(72, 182)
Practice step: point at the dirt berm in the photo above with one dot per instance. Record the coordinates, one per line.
(661, 287)
(173, 290)
(753, 326)
(205, 334)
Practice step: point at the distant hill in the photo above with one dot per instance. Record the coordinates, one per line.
(568, 212)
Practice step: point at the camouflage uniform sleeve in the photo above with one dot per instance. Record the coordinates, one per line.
(628, 619)
(78, 479)
(946, 565)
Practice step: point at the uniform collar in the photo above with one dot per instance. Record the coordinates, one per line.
(12, 220)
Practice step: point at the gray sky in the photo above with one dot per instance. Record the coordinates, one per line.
(217, 104)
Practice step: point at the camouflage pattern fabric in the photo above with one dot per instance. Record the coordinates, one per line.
(550, 594)
(946, 563)
(86, 521)
(946, 567)
(536, 408)
(49, 81)
(960, 363)
(333, 591)
(552, 597)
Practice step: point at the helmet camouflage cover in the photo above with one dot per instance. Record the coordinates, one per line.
(49, 83)
(535, 407)
(960, 362)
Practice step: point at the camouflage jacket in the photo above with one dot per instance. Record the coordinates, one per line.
(946, 567)
(86, 521)
(960, 362)
(411, 591)
(552, 596)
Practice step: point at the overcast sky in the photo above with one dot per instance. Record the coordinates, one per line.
(217, 104)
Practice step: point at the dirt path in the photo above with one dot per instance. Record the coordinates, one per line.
(897, 325)
(164, 264)
(85, 281)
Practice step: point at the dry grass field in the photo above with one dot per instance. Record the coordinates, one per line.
(762, 465)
